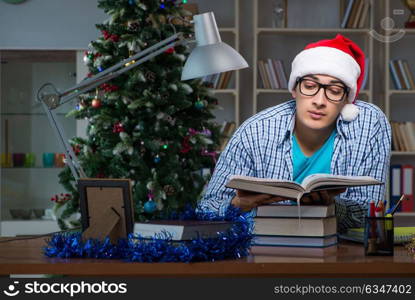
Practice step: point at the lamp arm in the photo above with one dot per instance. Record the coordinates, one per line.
(71, 159)
(56, 99)
(86, 85)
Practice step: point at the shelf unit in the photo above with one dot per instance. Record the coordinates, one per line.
(23, 71)
(304, 35)
(235, 90)
(398, 106)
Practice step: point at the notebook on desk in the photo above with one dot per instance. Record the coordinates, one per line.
(401, 235)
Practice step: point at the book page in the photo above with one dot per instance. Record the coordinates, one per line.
(268, 181)
(314, 181)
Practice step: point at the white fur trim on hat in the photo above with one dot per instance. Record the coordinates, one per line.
(326, 61)
(350, 112)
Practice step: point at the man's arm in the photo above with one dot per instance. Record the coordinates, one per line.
(351, 207)
(235, 159)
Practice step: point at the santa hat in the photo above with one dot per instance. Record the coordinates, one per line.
(338, 57)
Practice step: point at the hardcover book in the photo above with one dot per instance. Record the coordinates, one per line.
(179, 230)
(293, 190)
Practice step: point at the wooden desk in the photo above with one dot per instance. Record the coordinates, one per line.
(25, 257)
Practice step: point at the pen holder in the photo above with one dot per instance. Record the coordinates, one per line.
(378, 236)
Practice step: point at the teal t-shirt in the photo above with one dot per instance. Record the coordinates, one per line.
(319, 162)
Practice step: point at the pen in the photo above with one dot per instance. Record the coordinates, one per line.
(381, 209)
(380, 222)
(372, 208)
(393, 210)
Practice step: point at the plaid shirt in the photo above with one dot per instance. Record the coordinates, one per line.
(262, 147)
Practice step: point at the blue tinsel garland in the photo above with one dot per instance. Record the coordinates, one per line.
(233, 243)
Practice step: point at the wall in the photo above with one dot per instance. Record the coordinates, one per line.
(49, 24)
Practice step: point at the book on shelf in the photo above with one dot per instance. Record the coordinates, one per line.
(298, 241)
(409, 128)
(394, 75)
(261, 72)
(395, 184)
(401, 234)
(364, 16)
(279, 65)
(218, 81)
(227, 131)
(268, 72)
(405, 77)
(409, 74)
(401, 74)
(408, 188)
(295, 227)
(294, 251)
(272, 74)
(179, 230)
(358, 16)
(347, 13)
(402, 179)
(286, 210)
(293, 190)
(353, 13)
(403, 136)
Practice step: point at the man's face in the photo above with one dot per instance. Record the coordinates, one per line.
(318, 112)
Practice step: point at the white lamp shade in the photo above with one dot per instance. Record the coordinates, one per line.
(211, 55)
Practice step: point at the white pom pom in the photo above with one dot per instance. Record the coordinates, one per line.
(350, 112)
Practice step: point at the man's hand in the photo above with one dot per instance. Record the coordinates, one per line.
(321, 197)
(248, 200)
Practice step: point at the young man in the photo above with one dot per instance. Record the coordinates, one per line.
(324, 130)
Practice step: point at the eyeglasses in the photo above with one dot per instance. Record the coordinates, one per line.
(333, 92)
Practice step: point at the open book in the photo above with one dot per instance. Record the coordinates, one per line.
(293, 190)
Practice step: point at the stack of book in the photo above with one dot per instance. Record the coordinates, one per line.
(305, 230)
(218, 81)
(280, 231)
(356, 14)
(403, 136)
(402, 76)
(272, 74)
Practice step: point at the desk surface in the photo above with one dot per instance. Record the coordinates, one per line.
(25, 257)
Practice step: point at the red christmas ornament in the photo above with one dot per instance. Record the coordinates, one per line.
(115, 38)
(170, 50)
(109, 87)
(106, 34)
(62, 198)
(185, 145)
(96, 103)
(118, 128)
(76, 149)
(100, 175)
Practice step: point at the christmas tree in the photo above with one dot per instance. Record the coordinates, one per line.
(147, 124)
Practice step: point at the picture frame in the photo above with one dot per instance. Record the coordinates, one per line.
(106, 208)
